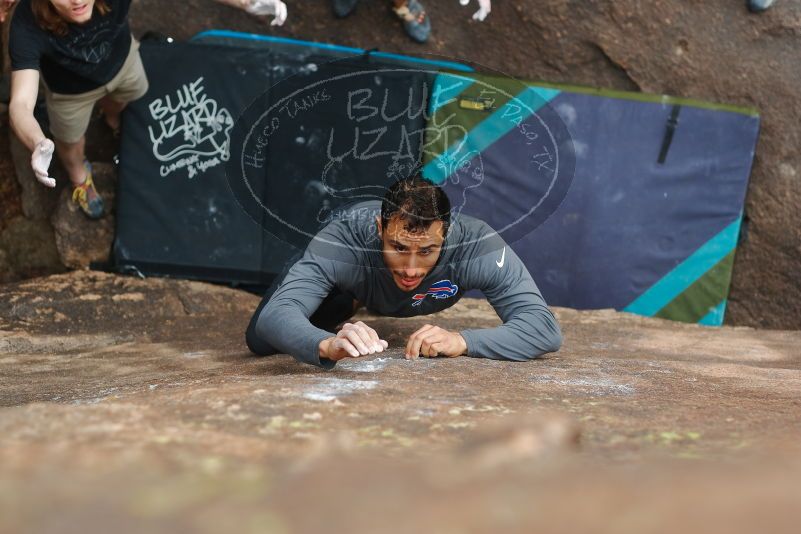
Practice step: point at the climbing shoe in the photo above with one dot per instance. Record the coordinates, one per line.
(415, 20)
(87, 197)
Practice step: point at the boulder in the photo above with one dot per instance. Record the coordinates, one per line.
(27, 246)
(82, 241)
(30, 248)
(135, 403)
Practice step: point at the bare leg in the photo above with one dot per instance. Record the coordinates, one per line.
(72, 156)
(111, 111)
(84, 193)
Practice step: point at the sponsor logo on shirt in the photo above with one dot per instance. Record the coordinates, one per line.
(499, 263)
(440, 290)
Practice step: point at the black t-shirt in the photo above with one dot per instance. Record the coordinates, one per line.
(88, 56)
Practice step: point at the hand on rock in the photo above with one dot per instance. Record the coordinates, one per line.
(352, 340)
(484, 8)
(432, 341)
(268, 7)
(40, 161)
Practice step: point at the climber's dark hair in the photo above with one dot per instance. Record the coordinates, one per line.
(418, 202)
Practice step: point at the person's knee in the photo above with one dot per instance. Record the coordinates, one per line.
(111, 104)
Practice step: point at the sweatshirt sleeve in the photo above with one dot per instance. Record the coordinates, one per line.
(284, 321)
(331, 260)
(529, 328)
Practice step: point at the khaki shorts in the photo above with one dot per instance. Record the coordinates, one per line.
(70, 114)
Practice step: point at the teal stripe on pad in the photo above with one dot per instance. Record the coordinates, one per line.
(230, 34)
(715, 315)
(684, 274)
(446, 88)
(490, 130)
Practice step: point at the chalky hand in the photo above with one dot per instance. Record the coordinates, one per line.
(268, 7)
(40, 161)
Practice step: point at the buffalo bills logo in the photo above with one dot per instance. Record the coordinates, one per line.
(441, 290)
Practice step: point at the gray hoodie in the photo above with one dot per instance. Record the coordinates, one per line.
(346, 255)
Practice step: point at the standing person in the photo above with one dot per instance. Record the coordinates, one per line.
(412, 14)
(404, 258)
(85, 53)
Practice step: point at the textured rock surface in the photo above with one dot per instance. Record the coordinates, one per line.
(10, 205)
(79, 240)
(135, 404)
(27, 243)
(30, 249)
(713, 50)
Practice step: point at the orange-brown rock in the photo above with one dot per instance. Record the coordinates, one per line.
(134, 404)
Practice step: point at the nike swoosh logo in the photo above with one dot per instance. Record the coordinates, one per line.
(499, 263)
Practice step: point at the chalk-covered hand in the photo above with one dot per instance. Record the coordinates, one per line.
(431, 341)
(352, 340)
(484, 8)
(268, 7)
(40, 161)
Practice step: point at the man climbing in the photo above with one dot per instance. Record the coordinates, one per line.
(412, 14)
(402, 257)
